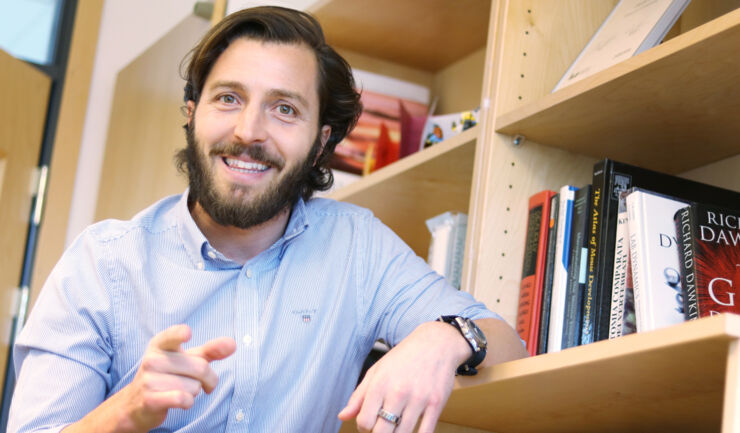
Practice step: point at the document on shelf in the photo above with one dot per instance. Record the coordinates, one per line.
(632, 26)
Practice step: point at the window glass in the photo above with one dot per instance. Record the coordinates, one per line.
(28, 29)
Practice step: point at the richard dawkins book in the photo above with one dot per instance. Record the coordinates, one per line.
(552, 230)
(709, 254)
(533, 270)
(654, 258)
(609, 179)
(560, 274)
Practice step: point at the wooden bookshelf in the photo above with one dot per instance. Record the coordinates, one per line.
(676, 379)
(653, 110)
(424, 34)
(427, 183)
(672, 108)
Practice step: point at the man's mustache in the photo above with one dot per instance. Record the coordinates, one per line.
(256, 152)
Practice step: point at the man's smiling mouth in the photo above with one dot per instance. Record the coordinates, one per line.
(244, 166)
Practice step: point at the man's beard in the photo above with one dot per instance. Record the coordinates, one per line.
(235, 207)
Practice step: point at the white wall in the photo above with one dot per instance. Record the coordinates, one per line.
(127, 28)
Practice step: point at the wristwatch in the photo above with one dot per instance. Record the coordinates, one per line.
(475, 338)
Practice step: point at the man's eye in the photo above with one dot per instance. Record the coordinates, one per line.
(286, 109)
(228, 99)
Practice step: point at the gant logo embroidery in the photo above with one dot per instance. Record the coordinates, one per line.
(306, 315)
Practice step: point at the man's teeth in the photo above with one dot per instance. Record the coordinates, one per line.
(245, 167)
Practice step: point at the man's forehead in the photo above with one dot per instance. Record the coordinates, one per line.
(291, 63)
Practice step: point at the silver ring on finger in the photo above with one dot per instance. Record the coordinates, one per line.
(388, 416)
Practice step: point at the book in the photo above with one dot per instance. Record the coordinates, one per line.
(610, 178)
(622, 299)
(654, 259)
(560, 273)
(447, 246)
(709, 257)
(576, 283)
(376, 140)
(632, 27)
(533, 270)
(552, 228)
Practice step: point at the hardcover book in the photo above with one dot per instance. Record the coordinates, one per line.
(447, 245)
(575, 299)
(610, 178)
(632, 27)
(552, 229)
(560, 273)
(654, 258)
(709, 254)
(533, 270)
(622, 308)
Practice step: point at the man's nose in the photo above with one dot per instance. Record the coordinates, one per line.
(250, 125)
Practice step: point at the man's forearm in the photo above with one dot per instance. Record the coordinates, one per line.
(503, 342)
(106, 418)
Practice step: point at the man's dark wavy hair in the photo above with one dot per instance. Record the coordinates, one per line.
(339, 102)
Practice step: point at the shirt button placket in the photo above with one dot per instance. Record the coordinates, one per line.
(247, 355)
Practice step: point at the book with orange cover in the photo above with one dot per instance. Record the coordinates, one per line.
(533, 271)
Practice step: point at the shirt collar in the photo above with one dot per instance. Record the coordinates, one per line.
(197, 245)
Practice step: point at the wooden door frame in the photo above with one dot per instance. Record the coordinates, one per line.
(67, 139)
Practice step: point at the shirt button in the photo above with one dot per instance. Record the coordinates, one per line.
(239, 415)
(211, 254)
(249, 273)
(247, 339)
(200, 265)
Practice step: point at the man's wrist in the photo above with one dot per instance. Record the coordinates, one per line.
(475, 339)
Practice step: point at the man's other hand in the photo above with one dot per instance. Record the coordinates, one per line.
(412, 380)
(168, 377)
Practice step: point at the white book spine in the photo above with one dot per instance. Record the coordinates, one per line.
(619, 280)
(560, 274)
(654, 257)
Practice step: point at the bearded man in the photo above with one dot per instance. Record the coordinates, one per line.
(244, 304)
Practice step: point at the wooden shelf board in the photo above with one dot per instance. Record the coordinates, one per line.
(667, 380)
(427, 183)
(671, 108)
(435, 33)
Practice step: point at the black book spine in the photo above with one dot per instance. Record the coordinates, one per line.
(549, 272)
(595, 251)
(577, 271)
(685, 233)
(611, 186)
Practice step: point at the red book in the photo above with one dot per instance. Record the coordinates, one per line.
(533, 271)
(709, 254)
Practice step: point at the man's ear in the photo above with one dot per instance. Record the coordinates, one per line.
(325, 134)
(190, 111)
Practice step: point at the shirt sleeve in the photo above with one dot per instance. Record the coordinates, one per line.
(63, 355)
(401, 291)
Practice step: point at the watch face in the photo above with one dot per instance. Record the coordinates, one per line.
(476, 333)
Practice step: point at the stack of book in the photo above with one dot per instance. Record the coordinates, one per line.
(634, 251)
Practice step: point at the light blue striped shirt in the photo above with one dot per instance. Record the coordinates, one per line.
(305, 313)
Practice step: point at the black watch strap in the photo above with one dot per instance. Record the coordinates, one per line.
(475, 339)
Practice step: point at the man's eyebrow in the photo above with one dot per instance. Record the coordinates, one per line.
(227, 84)
(288, 94)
